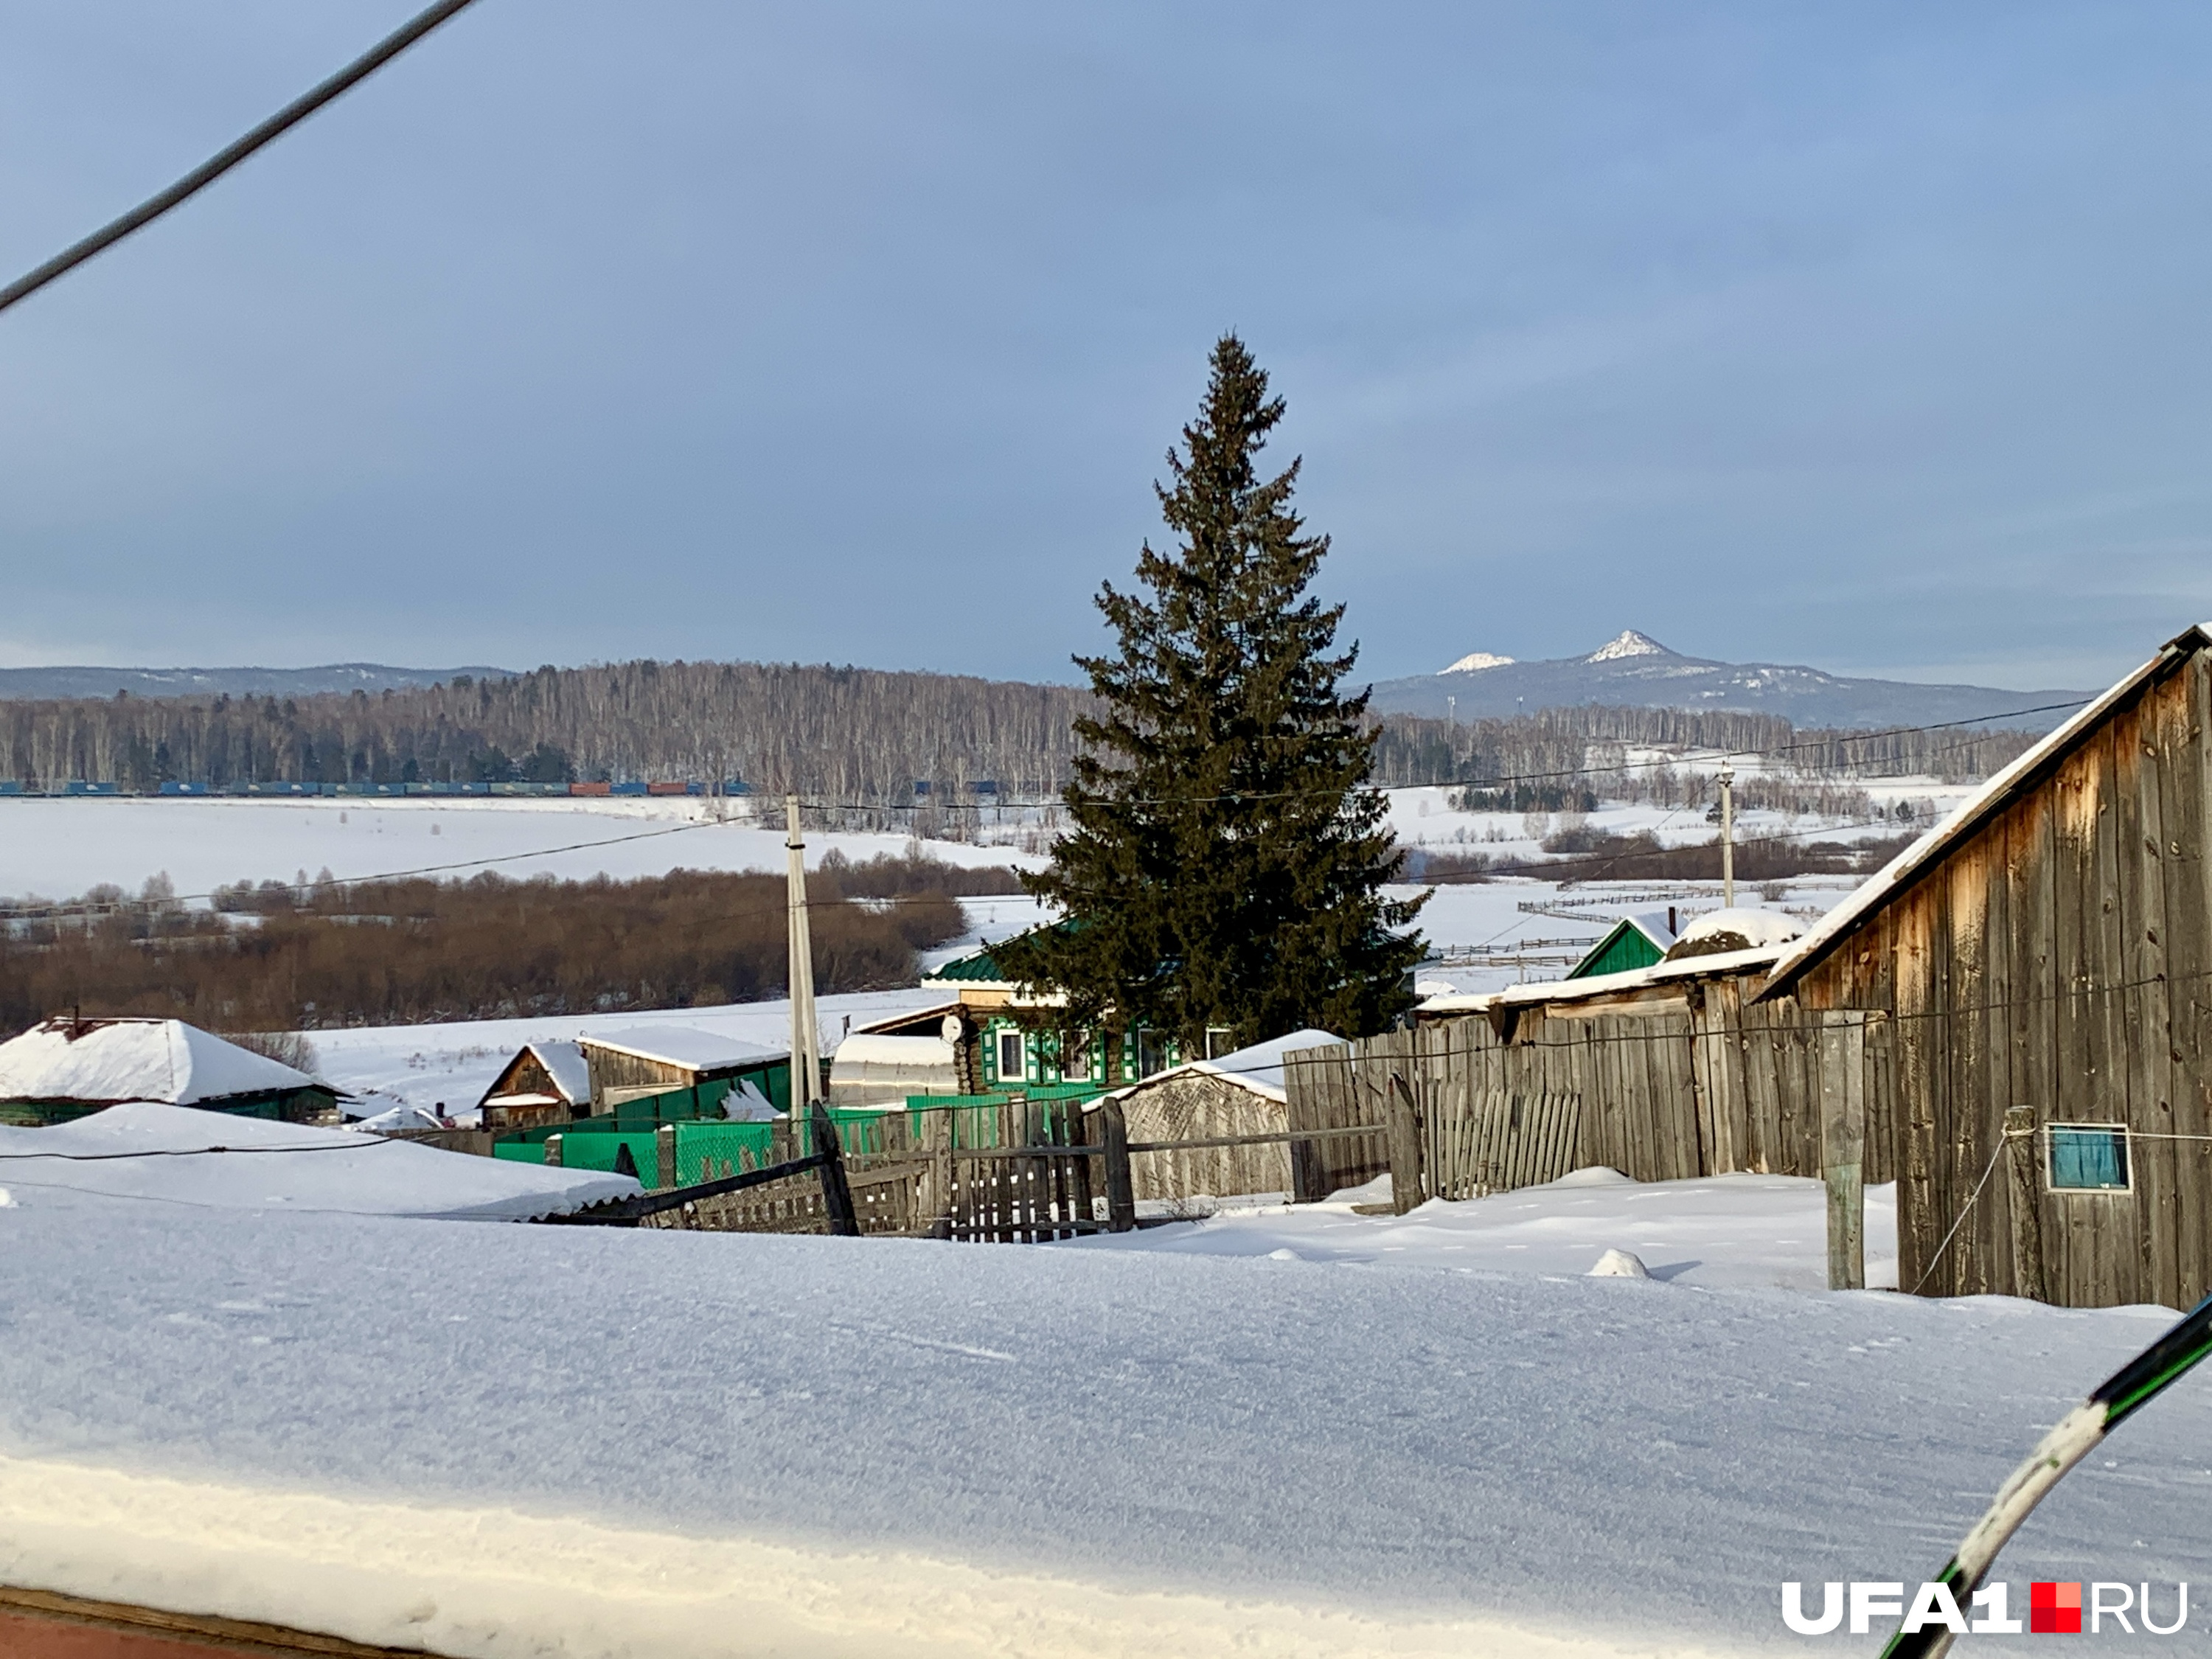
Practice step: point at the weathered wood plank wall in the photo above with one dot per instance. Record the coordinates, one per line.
(2058, 958)
(1668, 1092)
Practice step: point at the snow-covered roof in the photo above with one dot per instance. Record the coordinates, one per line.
(683, 1045)
(286, 1167)
(1717, 963)
(1737, 929)
(564, 1063)
(1259, 1067)
(397, 1119)
(2002, 788)
(100, 1062)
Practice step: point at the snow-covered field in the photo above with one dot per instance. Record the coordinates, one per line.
(500, 1440)
(58, 849)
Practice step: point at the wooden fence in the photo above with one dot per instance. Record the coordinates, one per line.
(1667, 1092)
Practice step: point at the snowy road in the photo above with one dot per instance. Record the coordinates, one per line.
(637, 1443)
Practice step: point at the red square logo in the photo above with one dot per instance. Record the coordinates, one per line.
(2054, 1609)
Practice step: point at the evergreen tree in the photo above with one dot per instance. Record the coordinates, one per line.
(1225, 860)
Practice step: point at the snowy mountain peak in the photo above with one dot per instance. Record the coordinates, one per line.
(1628, 643)
(1475, 660)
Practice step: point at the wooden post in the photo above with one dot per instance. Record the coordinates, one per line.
(937, 1135)
(1843, 1146)
(1404, 1124)
(1120, 1193)
(553, 1152)
(1079, 1169)
(836, 1196)
(663, 1145)
(2027, 1206)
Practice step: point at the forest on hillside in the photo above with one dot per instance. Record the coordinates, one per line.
(278, 957)
(863, 738)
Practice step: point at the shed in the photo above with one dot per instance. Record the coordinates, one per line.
(1637, 940)
(1239, 1093)
(2043, 955)
(872, 1069)
(66, 1068)
(545, 1083)
(655, 1059)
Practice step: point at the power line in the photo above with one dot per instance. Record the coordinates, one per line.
(229, 156)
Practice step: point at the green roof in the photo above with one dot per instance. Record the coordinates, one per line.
(980, 966)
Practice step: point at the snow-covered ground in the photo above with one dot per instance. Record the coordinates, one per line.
(1738, 1230)
(181, 1154)
(1426, 817)
(493, 1441)
(58, 849)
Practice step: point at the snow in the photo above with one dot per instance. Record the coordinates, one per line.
(605, 1443)
(1743, 928)
(62, 847)
(1475, 662)
(685, 1046)
(1628, 643)
(398, 1118)
(109, 1060)
(1620, 1264)
(1740, 1231)
(180, 1155)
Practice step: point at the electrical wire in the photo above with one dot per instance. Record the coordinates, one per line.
(231, 155)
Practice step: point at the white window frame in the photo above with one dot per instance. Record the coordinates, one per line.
(1021, 1071)
(1226, 1046)
(2052, 1132)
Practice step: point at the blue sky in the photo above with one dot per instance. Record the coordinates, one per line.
(1874, 335)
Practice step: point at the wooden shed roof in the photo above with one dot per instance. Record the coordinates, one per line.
(2030, 770)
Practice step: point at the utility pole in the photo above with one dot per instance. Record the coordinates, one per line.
(805, 1065)
(1728, 837)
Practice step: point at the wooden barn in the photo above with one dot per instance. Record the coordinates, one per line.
(658, 1059)
(2045, 958)
(1239, 1093)
(545, 1083)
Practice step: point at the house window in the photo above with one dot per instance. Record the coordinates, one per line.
(2089, 1157)
(1219, 1041)
(1012, 1057)
(1151, 1053)
(1075, 1056)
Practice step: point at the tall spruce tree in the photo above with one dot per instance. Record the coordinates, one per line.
(1226, 859)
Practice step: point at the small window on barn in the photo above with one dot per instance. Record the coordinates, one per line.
(1011, 1057)
(2089, 1157)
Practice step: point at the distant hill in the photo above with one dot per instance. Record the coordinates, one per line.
(42, 682)
(1636, 670)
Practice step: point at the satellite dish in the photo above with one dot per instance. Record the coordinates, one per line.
(951, 1029)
